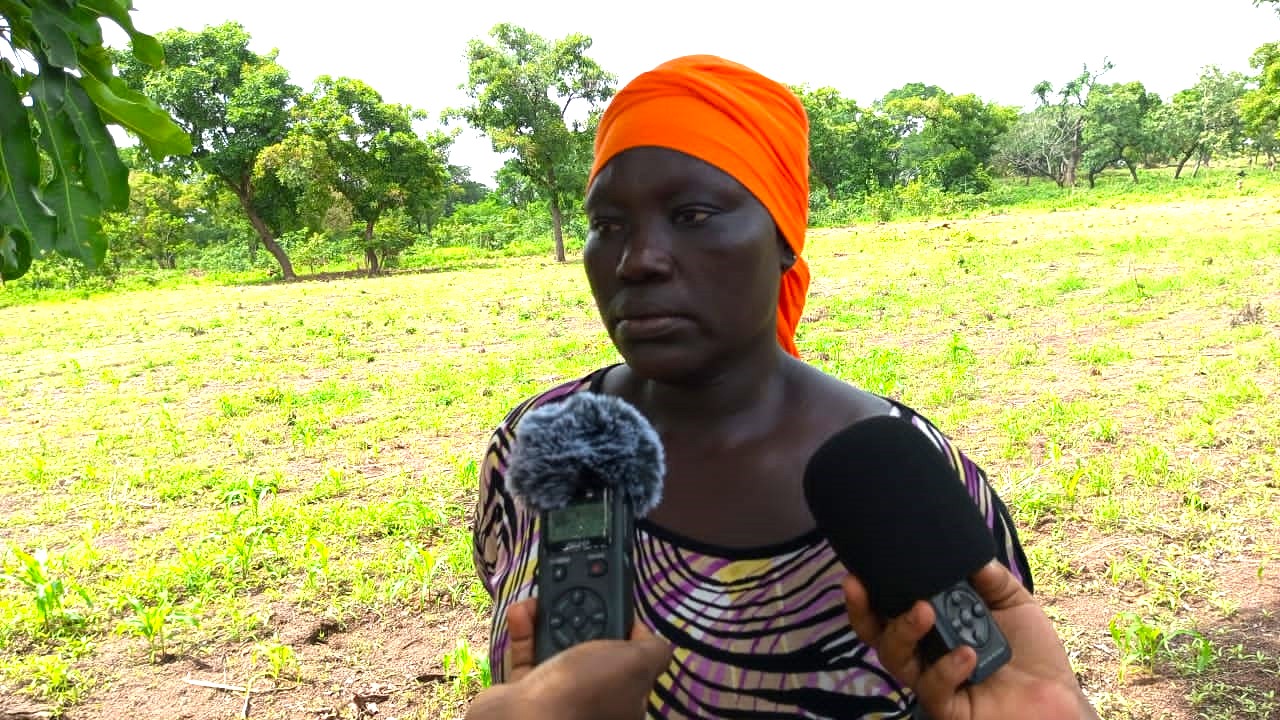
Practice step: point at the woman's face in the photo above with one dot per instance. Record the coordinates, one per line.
(683, 261)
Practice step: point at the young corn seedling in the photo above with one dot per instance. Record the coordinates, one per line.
(152, 623)
(49, 592)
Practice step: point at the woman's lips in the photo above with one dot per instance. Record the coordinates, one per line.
(649, 326)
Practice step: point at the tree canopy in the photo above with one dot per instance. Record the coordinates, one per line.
(377, 160)
(523, 89)
(233, 103)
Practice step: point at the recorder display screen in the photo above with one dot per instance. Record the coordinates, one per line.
(578, 521)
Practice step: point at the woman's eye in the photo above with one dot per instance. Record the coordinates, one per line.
(603, 225)
(692, 216)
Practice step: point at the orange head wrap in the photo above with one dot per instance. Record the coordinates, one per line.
(745, 124)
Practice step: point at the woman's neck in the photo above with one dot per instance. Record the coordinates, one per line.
(741, 399)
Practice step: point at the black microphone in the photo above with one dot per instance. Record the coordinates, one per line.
(899, 519)
(589, 465)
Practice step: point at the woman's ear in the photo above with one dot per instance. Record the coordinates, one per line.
(785, 253)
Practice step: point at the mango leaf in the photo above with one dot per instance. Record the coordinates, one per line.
(79, 233)
(20, 205)
(145, 47)
(54, 29)
(103, 172)
(137, 113)
(86, 25)
(79, 214)
(15, 254)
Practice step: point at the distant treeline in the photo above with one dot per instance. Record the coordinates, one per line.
(292, 177)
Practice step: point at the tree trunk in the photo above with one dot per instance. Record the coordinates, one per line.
(1069, 172)
(1196, 172)
(370, 254)
(1181, 163)
(557, 227)
(264, 234)
(1133, 171)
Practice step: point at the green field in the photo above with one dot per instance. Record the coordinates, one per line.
(269, 486)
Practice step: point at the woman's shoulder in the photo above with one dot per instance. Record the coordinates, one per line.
(559, 391)
(855, 401)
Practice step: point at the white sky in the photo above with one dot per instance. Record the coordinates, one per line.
(413, 51)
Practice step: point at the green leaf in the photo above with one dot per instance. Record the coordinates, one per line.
(79, 231)
(20, 205)
(138, 114)
(52, 28)
(145, 47)
(15, 254)
(103, 172)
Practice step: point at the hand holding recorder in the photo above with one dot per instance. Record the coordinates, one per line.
(945, 618)
(594, 680)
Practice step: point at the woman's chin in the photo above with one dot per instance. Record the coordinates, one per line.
(663, 362)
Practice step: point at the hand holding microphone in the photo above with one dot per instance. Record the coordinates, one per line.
(589, 465)
(945, 618)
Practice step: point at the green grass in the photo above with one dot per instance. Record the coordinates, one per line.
(214, 469)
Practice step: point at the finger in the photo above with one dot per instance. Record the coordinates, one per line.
(639, 630)
(653, 655)
(897, 647)
(998, 588)
(939, 687)
(865, 623)
(520, 631)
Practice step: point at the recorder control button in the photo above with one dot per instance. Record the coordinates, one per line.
(578, 597)
(597, 568)
(980, 634)
(968, 618)
(562, 638)
(559, 572)
(556, 621)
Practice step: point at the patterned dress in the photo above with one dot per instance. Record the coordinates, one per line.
(759, 633)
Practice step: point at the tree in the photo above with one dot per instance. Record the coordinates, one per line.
(523, 88)
(378, 161)
(1068, 115)
(157, 225)
(1202, 120)
(947, 139)
(1260, 107)
(850, 148)
(1274, 3)
(233, 103)
(1037, 145)
(1118, 128)
(462, 189)
(60, 170)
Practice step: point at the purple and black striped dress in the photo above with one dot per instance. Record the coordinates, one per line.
(759, 633)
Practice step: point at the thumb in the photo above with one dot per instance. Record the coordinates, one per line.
(998, 587)
(652, 655)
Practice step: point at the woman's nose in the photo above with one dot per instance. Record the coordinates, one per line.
(646, 255)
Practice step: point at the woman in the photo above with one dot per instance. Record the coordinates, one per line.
(697, 202)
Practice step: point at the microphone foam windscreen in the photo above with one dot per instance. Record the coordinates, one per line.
(895, 513)
(587, 439)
